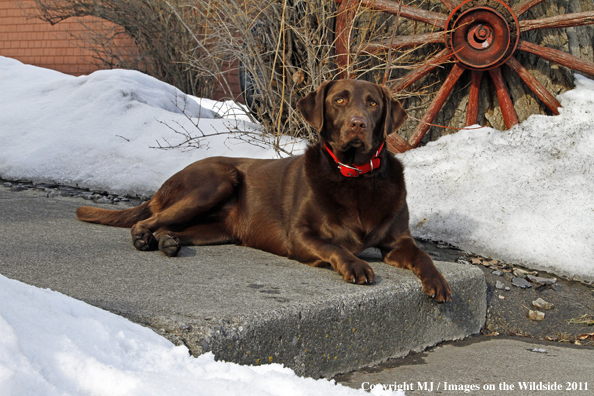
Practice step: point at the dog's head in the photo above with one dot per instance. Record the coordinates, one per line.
(352, 114)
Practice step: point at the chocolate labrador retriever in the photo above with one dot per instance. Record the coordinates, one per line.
(345, 194)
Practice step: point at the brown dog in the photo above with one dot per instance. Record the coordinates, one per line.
(312, 208)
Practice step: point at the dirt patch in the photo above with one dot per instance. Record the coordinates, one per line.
(564, 313)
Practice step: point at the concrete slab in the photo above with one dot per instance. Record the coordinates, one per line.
(485, 366)
(244, 305)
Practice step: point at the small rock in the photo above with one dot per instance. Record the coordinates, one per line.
(502, 297)
(541, 280)
(539, 350)
(507, 288)
(104, 200)
(536, 315)
(53, 194)
(497, 272)
(476, 261)
(7, 184)
(542, 304)
(521, 283)
(520, 273)
(499, 285)
(556, 287)
(463, 261)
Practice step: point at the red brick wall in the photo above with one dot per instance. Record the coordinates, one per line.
(38, 43)
(230, 74)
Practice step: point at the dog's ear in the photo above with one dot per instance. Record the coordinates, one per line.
(395, 114)
(312, 106)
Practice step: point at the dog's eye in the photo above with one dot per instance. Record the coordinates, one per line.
(372, 104)
(339, 100)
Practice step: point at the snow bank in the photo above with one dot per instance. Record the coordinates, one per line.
(525, 195)
(99, 131)
(52, 344)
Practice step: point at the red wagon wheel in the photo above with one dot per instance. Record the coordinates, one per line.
(479, 36)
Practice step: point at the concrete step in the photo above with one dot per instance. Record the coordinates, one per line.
(244, 305)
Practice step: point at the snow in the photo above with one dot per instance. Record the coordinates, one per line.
(525, 196)
(52, 344)
(87, 130)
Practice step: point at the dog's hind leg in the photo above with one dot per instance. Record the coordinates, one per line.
(211, 233)
(182, 200)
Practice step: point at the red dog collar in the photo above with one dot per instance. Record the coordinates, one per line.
(356, 170)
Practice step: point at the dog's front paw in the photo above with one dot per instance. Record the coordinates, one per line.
(144, 241)
(436, 287)
(169, 245)
(358, 272)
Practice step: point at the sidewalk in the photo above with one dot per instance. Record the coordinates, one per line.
(486, 366)
(244, 305)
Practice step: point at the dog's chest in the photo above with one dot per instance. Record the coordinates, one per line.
(358, 219)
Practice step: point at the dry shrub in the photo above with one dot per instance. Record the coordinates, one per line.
(284, 51)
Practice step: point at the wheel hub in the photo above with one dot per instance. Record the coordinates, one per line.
(482, 34)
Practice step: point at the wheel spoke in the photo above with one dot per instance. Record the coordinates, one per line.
(560, 57)
(419, 72)
(539, 90)
(473, 98)
(346, 14)
(436, 104)
(396, 144)
(558, 21)
(450, 4)
(507, 107)
(414, 40)
(408, 12)
(521, 8)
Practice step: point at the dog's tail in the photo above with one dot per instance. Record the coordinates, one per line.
(117, 218)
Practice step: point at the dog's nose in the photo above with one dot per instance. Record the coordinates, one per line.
(358, 124)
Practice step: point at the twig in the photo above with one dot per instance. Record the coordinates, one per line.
(389, 60)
